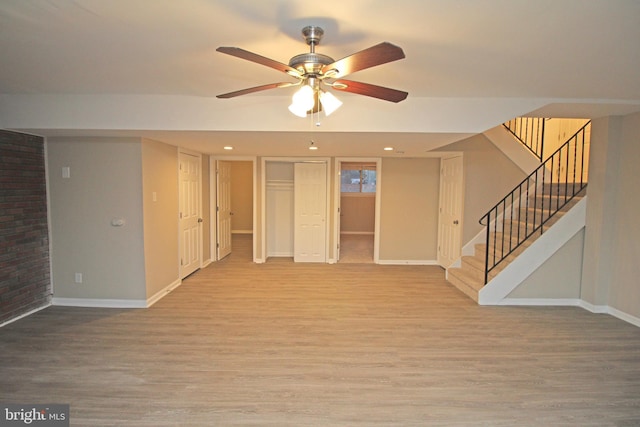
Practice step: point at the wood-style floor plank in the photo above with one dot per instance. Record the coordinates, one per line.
(284, 344)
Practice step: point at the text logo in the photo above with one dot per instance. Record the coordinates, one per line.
(54, 415)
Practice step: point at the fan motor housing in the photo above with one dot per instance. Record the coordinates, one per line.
(310, 63)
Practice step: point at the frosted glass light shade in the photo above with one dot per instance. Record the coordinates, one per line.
(329, 102)
(296, 110)
(303, 98)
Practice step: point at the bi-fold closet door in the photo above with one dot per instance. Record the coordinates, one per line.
(296, 210)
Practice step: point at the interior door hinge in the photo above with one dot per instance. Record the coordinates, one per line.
(181, 261)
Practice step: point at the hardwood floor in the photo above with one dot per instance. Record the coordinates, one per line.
(284, 344)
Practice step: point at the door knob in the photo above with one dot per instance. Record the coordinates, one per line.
(455, 222)
(199, 219)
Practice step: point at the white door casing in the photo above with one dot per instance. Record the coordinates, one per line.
(224, 213)
(190, 213)
(310, 225)
(450, 218)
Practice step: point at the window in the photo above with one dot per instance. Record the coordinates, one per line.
(358, 178)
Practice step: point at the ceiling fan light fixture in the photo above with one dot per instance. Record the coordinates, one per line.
(312, 70)
(303, 99)
(329, 102)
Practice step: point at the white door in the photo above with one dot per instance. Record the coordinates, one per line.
(190, 214)
(450, 220)
(224, 208)
(310, 211)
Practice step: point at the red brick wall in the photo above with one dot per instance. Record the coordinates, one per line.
(25, 283)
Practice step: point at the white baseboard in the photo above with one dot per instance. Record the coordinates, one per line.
(99, 302)
(241, 231)
(361, 233)
(624, 316)
(280, 255)
(22, 316)
(605, 309)
(206, 263)
(408, 262)
(163, 292)
(561, 302)
(116, 303)
(573, 302)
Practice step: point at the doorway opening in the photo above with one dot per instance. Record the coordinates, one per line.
(358, 207)
(232, 208)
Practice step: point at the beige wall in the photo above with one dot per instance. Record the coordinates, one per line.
(160, 178)
(601, 209)
(488, 175)
(242, 196)
(357, 213)
(105, 184)
(409, 190)
(624, 293)
(559, 277)
(611, 252)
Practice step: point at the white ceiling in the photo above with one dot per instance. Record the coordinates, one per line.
(149, 68)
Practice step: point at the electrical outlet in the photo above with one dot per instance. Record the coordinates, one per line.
(78, 278)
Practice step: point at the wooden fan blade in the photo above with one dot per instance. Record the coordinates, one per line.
(254, 57)
(367, 89)
(254, 89)
(375, 55)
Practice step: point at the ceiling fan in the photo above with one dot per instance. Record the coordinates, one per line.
(314, 71)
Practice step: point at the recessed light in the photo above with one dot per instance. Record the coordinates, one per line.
(228, 147)
(388, 148)
(313, 147)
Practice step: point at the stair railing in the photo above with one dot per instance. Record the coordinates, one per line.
(532, 203)
(530, 132)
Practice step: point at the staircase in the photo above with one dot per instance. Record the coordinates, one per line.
(469, 277)
(523, 215)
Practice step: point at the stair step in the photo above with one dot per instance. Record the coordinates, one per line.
(465, 282)
(551, 201)
(480, 248)
(474, 266)
(561, 188)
